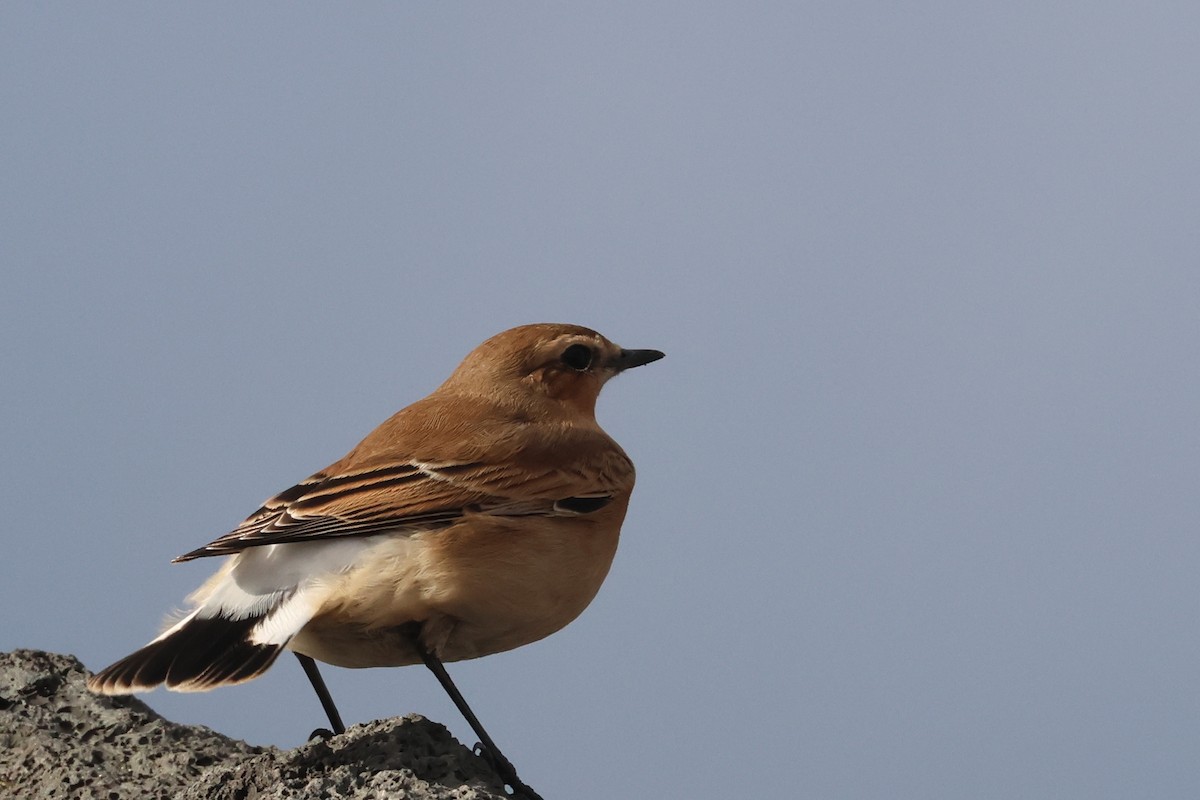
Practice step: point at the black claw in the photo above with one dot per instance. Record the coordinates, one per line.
(506, 771)
(320, 735)
(523, 791)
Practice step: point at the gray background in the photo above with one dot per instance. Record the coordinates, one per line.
(917, 498)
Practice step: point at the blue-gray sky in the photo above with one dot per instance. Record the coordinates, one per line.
(916, 513)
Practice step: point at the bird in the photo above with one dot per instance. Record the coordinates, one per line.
(479, 519)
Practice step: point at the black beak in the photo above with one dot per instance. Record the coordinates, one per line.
(635, 358)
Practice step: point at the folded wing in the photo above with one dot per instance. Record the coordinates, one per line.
(410, 497)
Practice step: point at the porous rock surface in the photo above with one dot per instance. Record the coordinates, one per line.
(58, 740)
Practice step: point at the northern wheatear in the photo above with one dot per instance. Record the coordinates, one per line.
(476, 520)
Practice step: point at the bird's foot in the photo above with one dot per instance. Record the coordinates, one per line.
(320, 735)
(507, 772)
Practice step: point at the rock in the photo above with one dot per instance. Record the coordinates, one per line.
(58, 740)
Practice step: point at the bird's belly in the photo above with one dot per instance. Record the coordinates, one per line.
(476, 588)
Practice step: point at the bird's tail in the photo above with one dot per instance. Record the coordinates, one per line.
(197, 654)
(240, 621)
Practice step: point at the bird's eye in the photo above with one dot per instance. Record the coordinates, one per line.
(577, 357)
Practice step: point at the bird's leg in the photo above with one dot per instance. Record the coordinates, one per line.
(318, 684)
(486, 747)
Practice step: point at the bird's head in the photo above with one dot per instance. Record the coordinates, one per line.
(567, 364)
